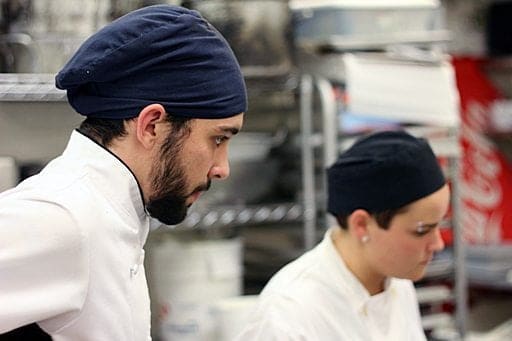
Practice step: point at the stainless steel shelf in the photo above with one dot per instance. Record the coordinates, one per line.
(439, 269)
(488, 266)
(21, 87)
(343, 43)
(434, 294)
(225, 216)
(504, 285)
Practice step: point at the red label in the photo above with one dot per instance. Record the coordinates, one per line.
(486, 178)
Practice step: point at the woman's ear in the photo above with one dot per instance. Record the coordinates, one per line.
(147, 124)
(358, 223)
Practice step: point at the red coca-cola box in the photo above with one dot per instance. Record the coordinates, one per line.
(485, 180)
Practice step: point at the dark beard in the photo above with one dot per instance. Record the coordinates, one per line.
(168, 203)
(168, 180)
(172, 209)
(169, 209)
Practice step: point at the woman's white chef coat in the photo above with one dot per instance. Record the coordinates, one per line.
(316, 297)
(71, 256)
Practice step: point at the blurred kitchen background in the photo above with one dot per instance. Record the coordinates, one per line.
(319, 73)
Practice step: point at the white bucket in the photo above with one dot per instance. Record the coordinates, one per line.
(184, 278)
(231, 315)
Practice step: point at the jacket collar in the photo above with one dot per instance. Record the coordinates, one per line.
(110, 174)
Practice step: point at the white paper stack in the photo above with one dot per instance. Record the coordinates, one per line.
(405, 90)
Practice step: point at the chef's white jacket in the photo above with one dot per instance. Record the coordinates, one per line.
(316, 297)
(71, 256)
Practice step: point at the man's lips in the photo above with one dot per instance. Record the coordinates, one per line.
(194, 196)
(198, 191)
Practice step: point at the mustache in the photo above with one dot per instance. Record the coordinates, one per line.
(203, 187)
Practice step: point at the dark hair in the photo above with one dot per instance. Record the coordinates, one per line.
(383, 218)
(104, 130)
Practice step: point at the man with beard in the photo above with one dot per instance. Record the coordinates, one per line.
(162, 94)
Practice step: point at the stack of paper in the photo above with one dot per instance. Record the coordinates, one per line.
(404, 90)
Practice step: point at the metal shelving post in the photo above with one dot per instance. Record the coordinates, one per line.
(459, 257)
(309, 140)
(308, 167)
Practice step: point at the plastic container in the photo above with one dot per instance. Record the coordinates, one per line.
(185, 277)
(231, 315)
(321, 20)
(8, 173)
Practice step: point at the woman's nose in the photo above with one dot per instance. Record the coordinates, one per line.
(437, 244)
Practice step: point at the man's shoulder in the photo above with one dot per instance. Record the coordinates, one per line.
(56, 179)
(50, 196)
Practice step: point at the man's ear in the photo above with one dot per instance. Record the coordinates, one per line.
(358, 223)
(147, 129)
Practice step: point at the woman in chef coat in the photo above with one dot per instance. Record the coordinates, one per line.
(162, 94)
(388, 195)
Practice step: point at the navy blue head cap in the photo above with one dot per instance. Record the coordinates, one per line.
(383, 171)
(158, 54)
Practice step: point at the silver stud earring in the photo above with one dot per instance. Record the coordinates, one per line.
(365, 239)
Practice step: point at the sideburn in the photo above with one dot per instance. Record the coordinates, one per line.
(168, 202)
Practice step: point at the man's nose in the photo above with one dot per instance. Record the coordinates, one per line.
(220, 169)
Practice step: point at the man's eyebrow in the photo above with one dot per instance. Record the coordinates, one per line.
(231, 130)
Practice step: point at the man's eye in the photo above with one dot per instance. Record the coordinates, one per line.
(220, 139)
